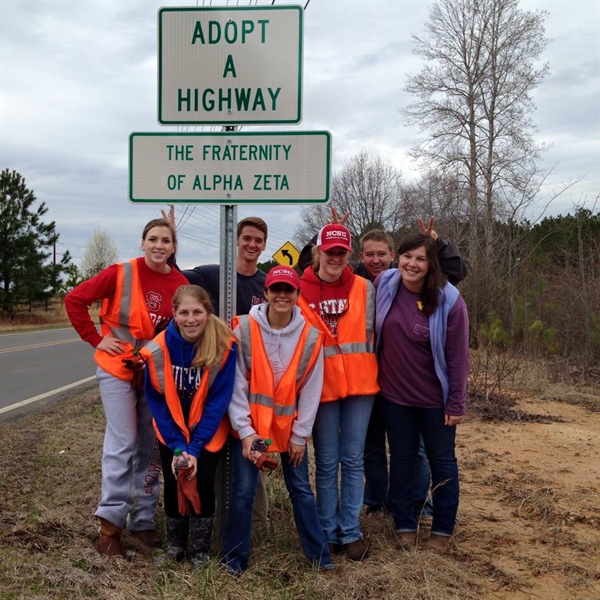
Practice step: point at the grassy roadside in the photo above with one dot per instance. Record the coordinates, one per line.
(50, 480)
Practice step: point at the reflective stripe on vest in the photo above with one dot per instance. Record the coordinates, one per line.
(124, 333)
(159, 365)
(262, 399)
(159, 361)
(358, 347)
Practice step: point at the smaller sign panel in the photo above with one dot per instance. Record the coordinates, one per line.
(230, 167)
(287, 255)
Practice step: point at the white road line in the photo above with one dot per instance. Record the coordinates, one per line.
(45, 395)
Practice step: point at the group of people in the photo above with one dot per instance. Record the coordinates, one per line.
(345, 354)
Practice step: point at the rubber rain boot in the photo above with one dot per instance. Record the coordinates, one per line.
(177, 534)
(200, 540)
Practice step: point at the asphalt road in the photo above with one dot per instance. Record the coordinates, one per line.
(42, 364)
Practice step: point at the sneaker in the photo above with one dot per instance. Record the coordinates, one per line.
(357, 550)
(230, 570)
(406, 540)
(438, 544)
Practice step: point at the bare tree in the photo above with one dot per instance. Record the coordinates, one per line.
(100, 252)
(369, 189)
(474, 101)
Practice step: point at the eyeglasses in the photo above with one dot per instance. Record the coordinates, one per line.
(277, 288)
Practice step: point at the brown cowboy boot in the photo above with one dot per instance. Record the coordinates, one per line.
(109, 542)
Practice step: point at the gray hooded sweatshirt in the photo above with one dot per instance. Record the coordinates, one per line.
(280, 345)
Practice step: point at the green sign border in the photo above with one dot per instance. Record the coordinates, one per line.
(232, 9)
(229, 134)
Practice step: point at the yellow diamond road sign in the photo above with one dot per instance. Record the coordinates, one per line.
(287, 255)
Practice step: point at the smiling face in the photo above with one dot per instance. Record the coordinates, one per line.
(190, 316)
(376, 256)
(414, 265)
(157, 246)
(251, 243)
(332, 263)
(282, 298)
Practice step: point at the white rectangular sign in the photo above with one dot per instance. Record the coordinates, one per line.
(230, 167)
(230, 65)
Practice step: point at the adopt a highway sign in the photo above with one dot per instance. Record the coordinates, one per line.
(230, 167)
(230, 65)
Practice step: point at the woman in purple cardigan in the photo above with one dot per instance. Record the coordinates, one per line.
(422, 331)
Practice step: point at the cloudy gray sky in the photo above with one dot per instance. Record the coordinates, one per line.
(77, 77)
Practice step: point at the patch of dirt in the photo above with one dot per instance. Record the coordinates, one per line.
(530, 503)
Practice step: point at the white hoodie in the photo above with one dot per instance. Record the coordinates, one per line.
(280, 345)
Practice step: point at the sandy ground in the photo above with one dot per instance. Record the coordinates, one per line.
(531, 503)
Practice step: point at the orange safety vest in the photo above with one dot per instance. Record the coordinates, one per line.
(125, 317)
(350, 361)
(158, 362)
(273, 408)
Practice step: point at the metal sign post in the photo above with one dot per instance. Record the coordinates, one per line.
(227, 310)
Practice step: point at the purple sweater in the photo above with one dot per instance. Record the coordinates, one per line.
(406, 368)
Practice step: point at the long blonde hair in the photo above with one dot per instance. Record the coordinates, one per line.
(215, 338)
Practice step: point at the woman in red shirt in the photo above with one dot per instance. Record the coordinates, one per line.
(136, 304)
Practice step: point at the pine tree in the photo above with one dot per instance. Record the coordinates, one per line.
(27, 272)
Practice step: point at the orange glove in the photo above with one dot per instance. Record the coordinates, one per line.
(263, 462)
(187, 493)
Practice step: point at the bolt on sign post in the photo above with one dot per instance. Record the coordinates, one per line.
(230, 65)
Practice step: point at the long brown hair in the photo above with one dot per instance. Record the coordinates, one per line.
(434, 279)
(163, 223)
(216, 336)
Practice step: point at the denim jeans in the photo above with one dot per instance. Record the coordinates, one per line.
(405, 424)
(376, 464)
(238, 532)
(376, 467)
(423, 498)
(339, 436)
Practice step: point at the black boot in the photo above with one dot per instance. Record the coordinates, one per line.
(177, 534)
(200, 540)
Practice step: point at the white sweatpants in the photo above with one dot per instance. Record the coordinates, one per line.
(130, 461)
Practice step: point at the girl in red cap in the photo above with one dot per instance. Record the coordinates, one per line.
(341, 305)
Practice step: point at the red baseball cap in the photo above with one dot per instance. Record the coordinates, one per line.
(334, 236)
(283, 275)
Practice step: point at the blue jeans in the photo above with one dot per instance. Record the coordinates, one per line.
(405, 424)
(339, 436)
(423, 499)
(376, 467)
(238, 532)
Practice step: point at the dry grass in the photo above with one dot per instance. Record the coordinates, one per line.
(521, 533)
(53, 318)
(49, 482)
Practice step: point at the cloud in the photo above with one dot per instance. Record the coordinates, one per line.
(79, 77)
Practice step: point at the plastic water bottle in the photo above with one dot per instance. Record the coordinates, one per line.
(181, 461)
